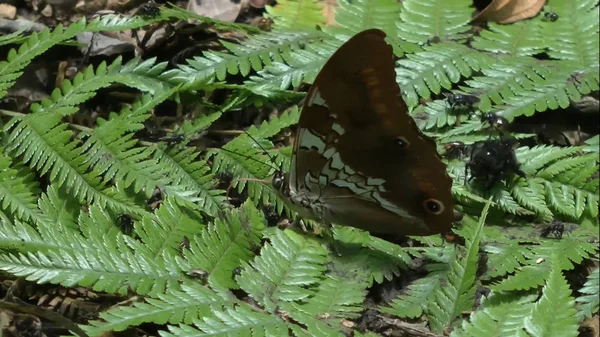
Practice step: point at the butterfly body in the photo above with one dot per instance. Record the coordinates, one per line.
(359, 159)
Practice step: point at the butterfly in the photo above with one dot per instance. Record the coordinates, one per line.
(359, 159)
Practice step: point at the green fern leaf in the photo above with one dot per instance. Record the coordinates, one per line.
(333, 302)
(590, 298)
(167, 227)
(456, 296)
(240, 321)
(35, 45)
(413, 302)
(173, 307)
(284, 270)
(499, 315)
(222, 247)
(523, 38)
(554, 313)
(563, 38)
(569, 250)
(353, 17)
(421, 21)
(192, 180)
(504, 259)
(17, 188)
(58, 206)
(110, 148)
(436, 68)
(104, 263)
(296, 15)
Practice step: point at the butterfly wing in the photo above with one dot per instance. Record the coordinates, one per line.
(359, 152)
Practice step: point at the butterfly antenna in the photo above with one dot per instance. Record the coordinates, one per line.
(262, 148)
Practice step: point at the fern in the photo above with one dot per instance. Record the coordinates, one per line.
(296, 15)
(222, 247)
(556, 183)
(554, 313)
(421, 21)
(569, 250)
(457, 294)
(588, 301)
(355, 16)
(414, 301)
(436, 68)
(172, 307)
(284, 270)
(240, 321)
(500, 315)
(524, 38)
(17, 188)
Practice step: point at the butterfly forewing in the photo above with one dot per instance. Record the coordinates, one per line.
(359, 159)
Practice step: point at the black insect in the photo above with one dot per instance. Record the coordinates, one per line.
(198, 274)
(149, 10)
(237, 271)
(493, 160)
(460, 102)
(185, 243)
(494, 120)
(125, 223)
(550, 16)
(556, 228)
(156, 199)
(173, 140)
(455, 150)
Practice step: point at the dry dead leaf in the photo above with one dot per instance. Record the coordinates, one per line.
(225, 10)
(329, 12)
(508, 11)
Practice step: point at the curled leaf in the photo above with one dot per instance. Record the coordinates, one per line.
(508, 11)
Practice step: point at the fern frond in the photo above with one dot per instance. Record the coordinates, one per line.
(165, 229)
(284, 270)
(436, 68)
(46, 145)
(499, 315)
(239, 321)
(554, 313)
(414, 300)
(587, 303)
(302, 66)
(58, 206)
(457, 295)
(35, 45)
(111, 151)
(564, 39)
(559, 181)
(504, 259)
(222, 247)
(17, 188)
(174, 307)
(254, 54)
(192, 180)
(522, 38)
(537, 267)
(296, 15)
(353, 17)
(105, 263)
(421, 21)
(331, 302)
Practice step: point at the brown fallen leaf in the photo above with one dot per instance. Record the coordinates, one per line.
(329, 12)
(508, 11)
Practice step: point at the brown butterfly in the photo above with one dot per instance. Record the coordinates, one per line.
(359, 159)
